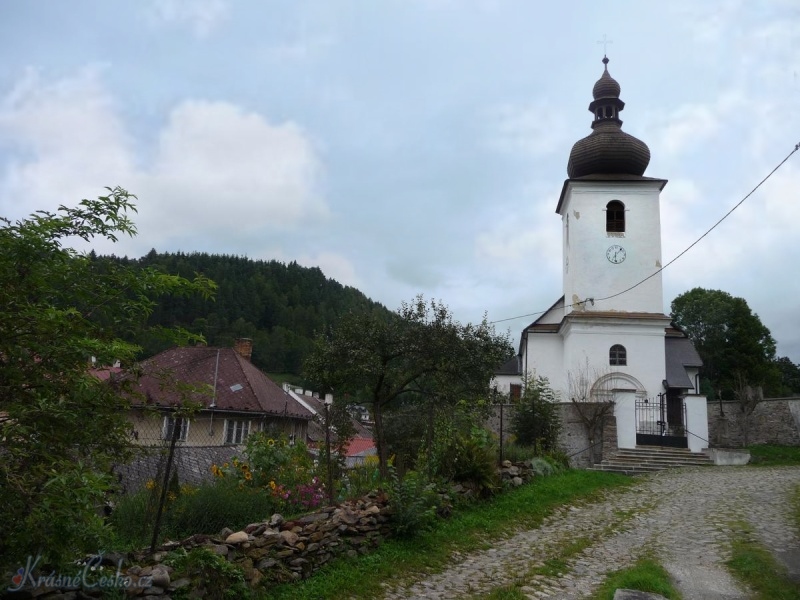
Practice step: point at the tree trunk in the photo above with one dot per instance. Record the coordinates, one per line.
(380, 440)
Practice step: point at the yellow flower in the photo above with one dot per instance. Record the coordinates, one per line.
(225, 466)
(248, 476)
(272, 485)
(270, 442)
(172, 496)
(150, 485)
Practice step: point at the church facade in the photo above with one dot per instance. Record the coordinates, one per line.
(607, 339)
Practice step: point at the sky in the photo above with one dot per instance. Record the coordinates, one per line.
(411, 146)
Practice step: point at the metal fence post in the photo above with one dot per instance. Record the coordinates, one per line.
(176, 431)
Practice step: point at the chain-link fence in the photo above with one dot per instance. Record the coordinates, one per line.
(168, 489)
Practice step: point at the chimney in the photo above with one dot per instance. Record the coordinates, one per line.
(244, 347)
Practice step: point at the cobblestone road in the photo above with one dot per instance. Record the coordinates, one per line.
(683, 517)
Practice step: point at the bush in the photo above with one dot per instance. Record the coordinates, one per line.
(211, 574)
(208, 508)
(541, 466)
(414, 503)
(361, 480)
(536, 422)
(283, 472)
(463, 452)
(204, 509)
(518, 453)
(132, 520)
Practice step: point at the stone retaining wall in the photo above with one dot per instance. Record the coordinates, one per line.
(275, 551)
(774, 421)
(573, 439)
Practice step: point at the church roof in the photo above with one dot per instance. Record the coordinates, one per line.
(608, 149)
(680, 354)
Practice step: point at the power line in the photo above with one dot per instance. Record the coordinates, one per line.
(692, 245)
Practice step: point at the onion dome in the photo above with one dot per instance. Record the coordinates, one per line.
(607, 150)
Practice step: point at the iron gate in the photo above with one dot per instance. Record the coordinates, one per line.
(661, 422)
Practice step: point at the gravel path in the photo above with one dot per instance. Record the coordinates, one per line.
(683, 517)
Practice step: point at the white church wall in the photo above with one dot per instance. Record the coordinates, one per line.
(625, 412)
(545, 358)
(588, 345)
(587, 271)
(696, 422)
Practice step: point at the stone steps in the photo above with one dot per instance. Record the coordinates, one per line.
(647, 459)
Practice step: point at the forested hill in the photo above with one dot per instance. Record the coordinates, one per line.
(280, 306)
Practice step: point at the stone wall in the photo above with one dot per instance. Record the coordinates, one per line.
(774, 421)
(191, 463)
(573, 440)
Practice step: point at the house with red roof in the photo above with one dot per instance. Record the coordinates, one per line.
(231, 398)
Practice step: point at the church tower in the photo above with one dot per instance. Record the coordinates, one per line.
(610, 215)
(608, 331)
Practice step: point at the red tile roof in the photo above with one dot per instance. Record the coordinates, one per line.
(240, 386)
(360, 446)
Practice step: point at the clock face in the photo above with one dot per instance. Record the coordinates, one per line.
(615, 254)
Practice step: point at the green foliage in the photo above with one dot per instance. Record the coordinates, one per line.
(518, 453)
(645, 575)
(361, 480)
(281, 307)
(730, 339)
(283, 473)
(465, 531)
(61, 428)
(764, 455)
(414, 503)
(541, 466)
(210, 507)
(463, 452)
(211, 574)
(207, 508)
(420, 352)
(790, 377)
(754, 565)
(536, 422)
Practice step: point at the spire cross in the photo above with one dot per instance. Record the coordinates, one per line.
(605, 43)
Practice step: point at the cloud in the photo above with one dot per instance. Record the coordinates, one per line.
(690, 125)
(529, 130)
(302, 49)
(220, 170)
(69, 133)
(201, 16)
(334, 266)
(217, 172)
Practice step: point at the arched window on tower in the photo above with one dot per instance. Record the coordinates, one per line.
(615, 217)
(617, 356)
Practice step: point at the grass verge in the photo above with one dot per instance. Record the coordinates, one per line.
(645, 575)
(773, 456)
(754, 566)
(473, 529)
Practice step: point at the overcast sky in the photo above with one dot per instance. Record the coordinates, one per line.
(411, 146)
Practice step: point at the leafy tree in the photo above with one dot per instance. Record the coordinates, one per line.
(420, 352)
(790, 376)
(281, 307)
(61, 428)
(536, 422)
(730, 339)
